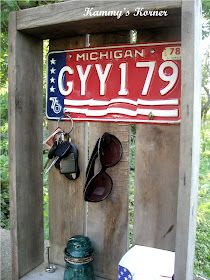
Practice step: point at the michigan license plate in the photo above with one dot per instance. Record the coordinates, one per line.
(129, 83)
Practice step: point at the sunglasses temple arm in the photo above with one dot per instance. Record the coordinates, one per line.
(91, 163)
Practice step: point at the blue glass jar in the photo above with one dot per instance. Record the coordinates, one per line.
(79, 258)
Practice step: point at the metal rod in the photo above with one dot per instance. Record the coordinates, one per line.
(50, 267)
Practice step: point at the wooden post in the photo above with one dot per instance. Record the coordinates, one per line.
(107, 221)
(189, 140)
(66, 203)
(25, 150)
(156, 171)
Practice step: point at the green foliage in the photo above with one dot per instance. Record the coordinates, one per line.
(4, 161)
(202, 250)
(25, 4)
(205, 101)
(132, 147)
(46, 202)
(202, 262)
(205, 105)
(6, 8)
(4, 192)
(206, 15)
(131, 205)
(4, 178)
(45, 157)
(3, 59)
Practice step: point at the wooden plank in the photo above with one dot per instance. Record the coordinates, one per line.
(156, 186)
(25, 150)
(189, 139)
(39, 274)
(160, 34)
(99, 278)
(156, 172)
(66, 203)
(107, 221)
(69, 18)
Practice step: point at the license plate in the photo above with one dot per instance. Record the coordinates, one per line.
(130, 83)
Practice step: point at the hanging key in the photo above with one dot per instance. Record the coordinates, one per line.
(60, 152)
(59, 140)
(51, 154)
(68, 164)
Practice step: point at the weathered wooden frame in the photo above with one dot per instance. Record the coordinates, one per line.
(27, 29)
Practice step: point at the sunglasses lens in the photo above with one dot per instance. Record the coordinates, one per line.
(110, 150)
(99, 187)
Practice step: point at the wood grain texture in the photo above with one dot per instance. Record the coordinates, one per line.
(189, 139)
(25, 150)
(66, 203)
(160, 34)
(156, 182)
(156, 172)
(69, 19)
(107, 221)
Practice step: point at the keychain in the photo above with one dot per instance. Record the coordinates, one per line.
(63, 152)
(48, 143)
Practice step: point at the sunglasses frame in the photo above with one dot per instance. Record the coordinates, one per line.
(90, 174)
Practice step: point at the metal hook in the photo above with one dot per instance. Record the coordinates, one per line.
(63, 115)
(72, 121)
(59, 120)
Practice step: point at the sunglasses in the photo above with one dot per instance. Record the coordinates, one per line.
(98, 186)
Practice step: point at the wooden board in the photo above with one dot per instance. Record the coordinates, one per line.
(69, 19)
(156, 186)
(107, 221)
(160, 34)
(39, 274)
(66, 203)
(156, 172)
(25, 150)
(189, 139)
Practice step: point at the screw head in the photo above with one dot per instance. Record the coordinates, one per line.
(151, 116)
